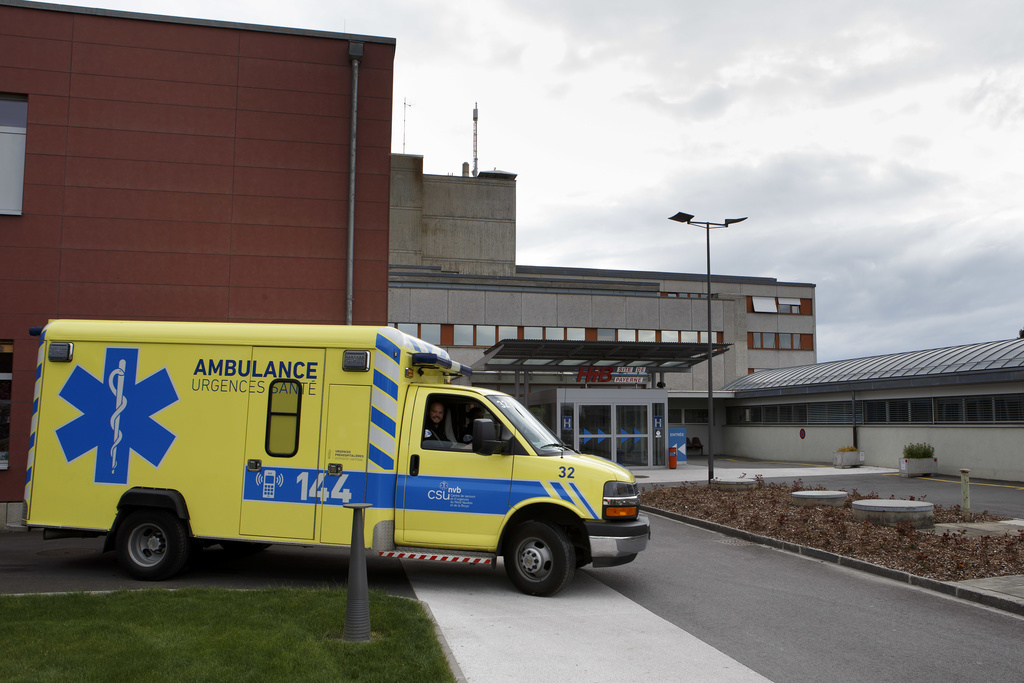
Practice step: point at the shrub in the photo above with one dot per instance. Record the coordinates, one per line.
(848, 449)
(918, 450)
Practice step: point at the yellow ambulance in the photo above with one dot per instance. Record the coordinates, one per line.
(169, 436)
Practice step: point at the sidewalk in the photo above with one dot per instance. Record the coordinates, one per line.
(588, 632)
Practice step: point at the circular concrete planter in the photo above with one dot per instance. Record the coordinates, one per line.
(809, 498)
(893, 512)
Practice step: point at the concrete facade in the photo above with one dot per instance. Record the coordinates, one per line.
(989, 448)
(453, 271)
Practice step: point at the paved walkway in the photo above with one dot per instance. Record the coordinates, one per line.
(589, 632)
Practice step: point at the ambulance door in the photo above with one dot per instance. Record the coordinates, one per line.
(346, 434)
(281, 469)
(450, 497)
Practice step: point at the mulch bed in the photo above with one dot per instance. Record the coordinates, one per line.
(768, 510)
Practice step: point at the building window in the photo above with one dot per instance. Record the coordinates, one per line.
(689, 337)
(791, 306)
(605, 334)
(508, 332)
(978, 409)
(764, 304)
(627, 335)
(695, 416)
(6, 364)
(13, 124)
(646, 335)
(462, 335)
(763, 340)
(576, 333)
(485, 335)
(1009, 408)
(431, 333)
(786, 340)
(555, 333)
(533, 333)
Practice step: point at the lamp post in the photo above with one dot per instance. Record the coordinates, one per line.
(688, 219)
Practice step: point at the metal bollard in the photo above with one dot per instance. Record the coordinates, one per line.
(965, 493)
(357, 608)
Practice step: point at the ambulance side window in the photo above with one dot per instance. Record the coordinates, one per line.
(283, 408)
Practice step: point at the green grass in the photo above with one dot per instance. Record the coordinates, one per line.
(214, 635)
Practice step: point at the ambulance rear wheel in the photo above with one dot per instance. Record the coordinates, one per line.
(539, 558)
(152, 545)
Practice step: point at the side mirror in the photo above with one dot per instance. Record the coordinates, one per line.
(485, 441)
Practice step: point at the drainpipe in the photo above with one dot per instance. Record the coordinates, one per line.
(355, 55)
(853, 407)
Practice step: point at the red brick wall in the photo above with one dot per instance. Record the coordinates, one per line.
(187, 172)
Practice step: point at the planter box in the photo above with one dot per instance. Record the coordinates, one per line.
(844, 459)
(918, 467)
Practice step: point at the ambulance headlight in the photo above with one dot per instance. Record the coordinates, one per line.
(621, 500)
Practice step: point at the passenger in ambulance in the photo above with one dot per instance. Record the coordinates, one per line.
(473, 412)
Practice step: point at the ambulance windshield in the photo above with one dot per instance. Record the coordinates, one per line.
(528, 426)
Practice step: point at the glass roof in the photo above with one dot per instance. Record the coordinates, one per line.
(988, 357)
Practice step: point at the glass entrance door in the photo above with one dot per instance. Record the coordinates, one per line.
(631, 435)
(594, 434)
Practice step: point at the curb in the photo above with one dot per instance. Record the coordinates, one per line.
(453, 664)
(985, 598)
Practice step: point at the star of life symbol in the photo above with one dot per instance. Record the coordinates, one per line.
(116, 417)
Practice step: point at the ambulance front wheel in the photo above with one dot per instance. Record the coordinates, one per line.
(539, 559)
(152, 545)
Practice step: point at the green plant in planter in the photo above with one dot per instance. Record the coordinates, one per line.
(918, 451)
(848, 449)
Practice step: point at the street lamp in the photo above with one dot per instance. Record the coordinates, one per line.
(688, 219)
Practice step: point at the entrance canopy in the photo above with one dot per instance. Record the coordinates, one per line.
(539, 355)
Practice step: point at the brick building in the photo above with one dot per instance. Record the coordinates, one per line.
(177, 169)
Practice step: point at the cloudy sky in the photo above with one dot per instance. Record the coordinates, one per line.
(876, 145)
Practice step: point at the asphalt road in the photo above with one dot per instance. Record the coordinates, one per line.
(29, 564)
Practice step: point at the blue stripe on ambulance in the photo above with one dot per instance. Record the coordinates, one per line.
(35, 414)
(309, 486)
(525, 490)
(562, 492)
(463, 495)
(303, 485)
(384, 384)
(384, 398)
(583, 499)
(382, 421)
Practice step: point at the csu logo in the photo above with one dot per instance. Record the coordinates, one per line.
(116, 418)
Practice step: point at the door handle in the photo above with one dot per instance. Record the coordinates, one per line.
(414, 465)
(254, 465)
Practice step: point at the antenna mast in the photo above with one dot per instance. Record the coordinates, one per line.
(405, 108)
(474, 137)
